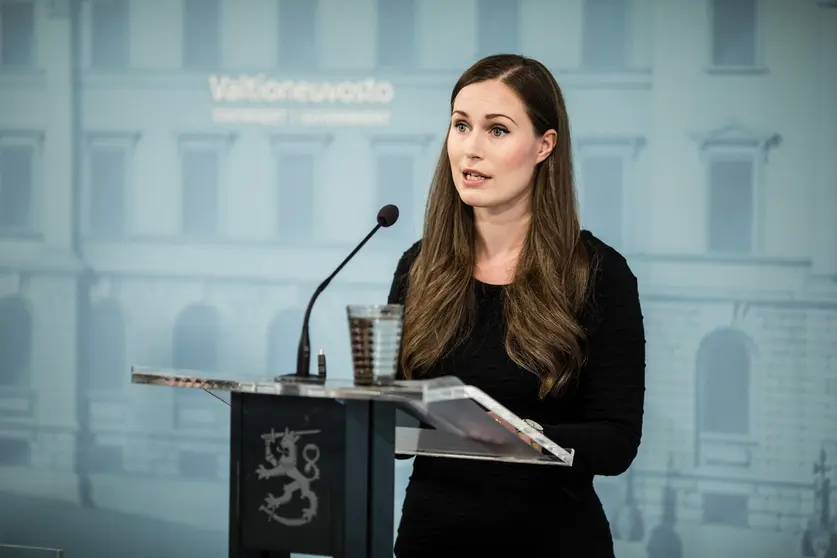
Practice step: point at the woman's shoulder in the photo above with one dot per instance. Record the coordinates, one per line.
(614, 289)
(398, 289)
(409, 256)
(606, 262)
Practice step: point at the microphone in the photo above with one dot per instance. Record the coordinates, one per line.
(387, 217)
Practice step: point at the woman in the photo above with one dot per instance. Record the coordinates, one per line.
(507, 292)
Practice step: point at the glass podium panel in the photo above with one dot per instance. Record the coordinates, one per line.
(456, 415)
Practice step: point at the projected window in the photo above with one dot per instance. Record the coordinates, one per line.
(300, 160)
(735, 36)
(17, 33)
(203, 162)
(498, 26)
(605, 34)
(15, 342)
(724, 368)
(609, 200)
(109, 168)
(736, 165)
(396, 35)
(17, 183)
(295, 211)
(400, 165)
(109, 34)
(199, 198)
(201, 33)
(731, 226)
(395, 175)
(298, 34)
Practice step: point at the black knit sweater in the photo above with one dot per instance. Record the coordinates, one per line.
(474, 508)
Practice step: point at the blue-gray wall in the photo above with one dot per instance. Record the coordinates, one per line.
(177, 175)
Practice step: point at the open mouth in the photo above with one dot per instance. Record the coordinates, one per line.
(474, 177)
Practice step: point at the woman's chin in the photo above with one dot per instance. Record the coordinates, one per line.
(475, 198)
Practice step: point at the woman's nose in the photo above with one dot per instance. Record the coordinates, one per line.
(473, 146)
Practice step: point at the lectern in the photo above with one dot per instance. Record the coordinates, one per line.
(312, 460)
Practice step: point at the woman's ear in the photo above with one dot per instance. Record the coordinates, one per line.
(547, 144)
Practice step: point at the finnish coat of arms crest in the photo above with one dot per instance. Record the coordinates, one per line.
(284, 463)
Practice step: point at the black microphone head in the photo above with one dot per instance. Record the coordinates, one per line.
(388, 215)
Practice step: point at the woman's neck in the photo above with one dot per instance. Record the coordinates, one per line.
(500, 236)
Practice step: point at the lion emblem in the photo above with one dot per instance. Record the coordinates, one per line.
(285, 464)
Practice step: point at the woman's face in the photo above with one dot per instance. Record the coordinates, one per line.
(493, 147)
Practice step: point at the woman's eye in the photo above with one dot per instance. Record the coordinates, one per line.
(460, 126)
(498, 131)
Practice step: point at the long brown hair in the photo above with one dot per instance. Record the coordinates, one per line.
(543, 304)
